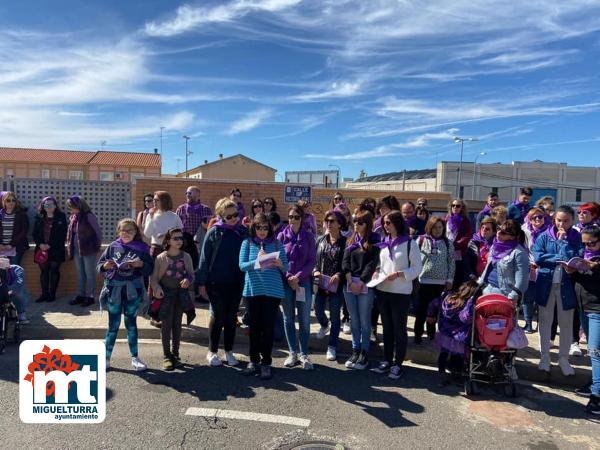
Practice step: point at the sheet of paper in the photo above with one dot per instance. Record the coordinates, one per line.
(266, 261)
(377, 281)
(301, 294)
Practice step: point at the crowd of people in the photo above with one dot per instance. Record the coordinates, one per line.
(379, 261)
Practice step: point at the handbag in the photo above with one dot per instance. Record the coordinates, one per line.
(40, 256)
(517, 339)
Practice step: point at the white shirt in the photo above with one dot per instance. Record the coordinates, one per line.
(157, 226)
(401, 285)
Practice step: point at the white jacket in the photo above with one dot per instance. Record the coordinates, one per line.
(401, 285)
(157, 226)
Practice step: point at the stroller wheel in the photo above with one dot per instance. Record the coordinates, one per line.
(510, 390)
(471, 388)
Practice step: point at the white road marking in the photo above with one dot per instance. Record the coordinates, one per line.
(243, 415)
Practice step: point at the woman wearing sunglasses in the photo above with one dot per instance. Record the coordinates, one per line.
(270, 205)
(141, 217)
(588, 216)
(479, 248)
(220, 280)
(300, 250)
(459, 233)
(256, 207)
(310, 221)
(560, 242)
(14, 225)
(263, 289)
(338, 198)
(49, 234)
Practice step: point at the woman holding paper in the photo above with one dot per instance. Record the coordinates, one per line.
(360, 260)
(399, 264)
(328, 274)
(560, 242)
(300, 250)
(263, 289)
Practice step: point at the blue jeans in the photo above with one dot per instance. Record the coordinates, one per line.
(335, 304)
(86, 273)
(20, 297)
(593, 339)
(528, 301)
(360, 307)
(290, 306)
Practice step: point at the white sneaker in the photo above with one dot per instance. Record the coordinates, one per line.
(575, 350)
(213, 359)
(565, 367)
(22, 318)
(291, 360)
(324, 330)
(306, 364)
(331, 354)
(138, 364)
(544, 364)
(231, 359)
(346, 328)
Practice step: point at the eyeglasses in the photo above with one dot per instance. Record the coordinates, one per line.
(127, 230)
(49, 205)
(176, 238)
(590, 243)
(232, 216)
(456, 206)
(537, 217)
(294, 217)
(262, 228)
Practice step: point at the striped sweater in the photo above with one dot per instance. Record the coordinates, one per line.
(267, 282)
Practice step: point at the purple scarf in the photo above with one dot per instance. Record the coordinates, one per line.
(358, 242)
(589, 254)
(236, 228)
(135, 245)
(477, 237)
(390, 244)
(241, 209)
(500, 249)
(572, 235)
(454, 223)
(263, 242)
(487, 210)
(535, 232)
(377, 224)
(412, 221)
(524, 208)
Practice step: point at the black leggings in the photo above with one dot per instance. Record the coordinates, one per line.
(394, 315)
(170, 328)
(427, 293)
(262, 311)
(452, 361)
(49, 278)
(224, 300)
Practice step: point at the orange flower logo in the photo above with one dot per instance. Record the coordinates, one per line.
(47, 361)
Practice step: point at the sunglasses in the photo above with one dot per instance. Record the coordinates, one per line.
(294, 217)
(149, 200)
(49, 205)
(10, 200)
(237, 195)
(358, 222)
(387, 222)
(232, 216)
(337, 199)
(268, 202)
(189, 193)
(457, 206)
(176, 238)
(590, 243)
(537, 218)
(257, 206)
(583, 211)
(262, 228)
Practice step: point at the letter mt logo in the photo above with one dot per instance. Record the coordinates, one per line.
(62, 381)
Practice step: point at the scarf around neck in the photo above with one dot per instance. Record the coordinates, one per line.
(535, 232)
(454, 223)
(589, 254)
(138, 246)
(522, 207)
(572, 234)
(390, 243)
(236, 228)
(500, 249)
(477, 237)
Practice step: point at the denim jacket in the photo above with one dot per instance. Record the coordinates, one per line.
(546, 252)
(513, 273)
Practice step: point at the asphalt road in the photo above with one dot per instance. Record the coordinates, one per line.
(359, 410)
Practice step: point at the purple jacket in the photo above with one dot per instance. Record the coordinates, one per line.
(454, 324)
(301, 252)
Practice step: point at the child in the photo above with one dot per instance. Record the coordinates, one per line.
(171, 280)
(124, 264)
(13, 278)
(455, 319)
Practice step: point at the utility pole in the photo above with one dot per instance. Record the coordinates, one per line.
(459, 177)
(187, 153)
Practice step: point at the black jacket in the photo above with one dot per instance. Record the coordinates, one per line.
(361, 263)
(58, 235)
(321, 244)
(587, 289)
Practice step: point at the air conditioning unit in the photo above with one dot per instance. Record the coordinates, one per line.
(119, 176)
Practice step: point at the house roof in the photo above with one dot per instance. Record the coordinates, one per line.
(220, 161)
(398, 176)
(76, 157)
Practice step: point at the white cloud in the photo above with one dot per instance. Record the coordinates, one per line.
(249, 122)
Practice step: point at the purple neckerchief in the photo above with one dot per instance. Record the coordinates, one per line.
(358, 242)
(390, 244)
(241, 209)
(524, 208)
(236, 227)
(500, 249)
(589, 254)
(535, 232)
(454, 222)
(572, 234)
(377, 224)
(477, 237)
(263, 242)
(138, 246)
(487, 210)
(434, 241)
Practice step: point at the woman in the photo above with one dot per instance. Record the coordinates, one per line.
(385, 205)
(220, 279)
(560, 242)
(141, 217)
(159, 220)
(256, 207)
(459, 233)
(49, 234)
(546, 203)
(338, 198)
(536, 223)
(499, 214)
(479, 249)
(310, 221)
(270, 205)
(358, 265)
(84, 238)
(587, 289)
(368, 204)
(422, 215)
(123, 264)
(399, 264)
(437, 274)
(301, 254)
(171, 281)
(236, 196)
(263, 289)
(328, 274)
(343, 208)
(14, 225)
(588, 214)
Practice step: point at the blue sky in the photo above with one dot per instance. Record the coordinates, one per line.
(299, 85)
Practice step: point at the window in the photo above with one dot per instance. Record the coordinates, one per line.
(107, 176)
(45, 173)
(462, 192)
(75, 175)
(495, 190)
(577, 195)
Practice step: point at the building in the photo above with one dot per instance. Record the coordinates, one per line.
(77, 165)
(237, 167)
(316, 178)
(567, 184)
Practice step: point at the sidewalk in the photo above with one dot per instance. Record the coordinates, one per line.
(59, 320)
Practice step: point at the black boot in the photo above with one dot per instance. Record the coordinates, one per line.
(77, 300)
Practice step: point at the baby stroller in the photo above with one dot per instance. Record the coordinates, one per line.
(490, 359)
(8, 313)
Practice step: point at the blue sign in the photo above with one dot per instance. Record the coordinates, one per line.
(294, 193)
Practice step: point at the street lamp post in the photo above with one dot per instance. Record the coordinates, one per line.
(475, 174)
(339, 174)
(462, 144)
(187, 153)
